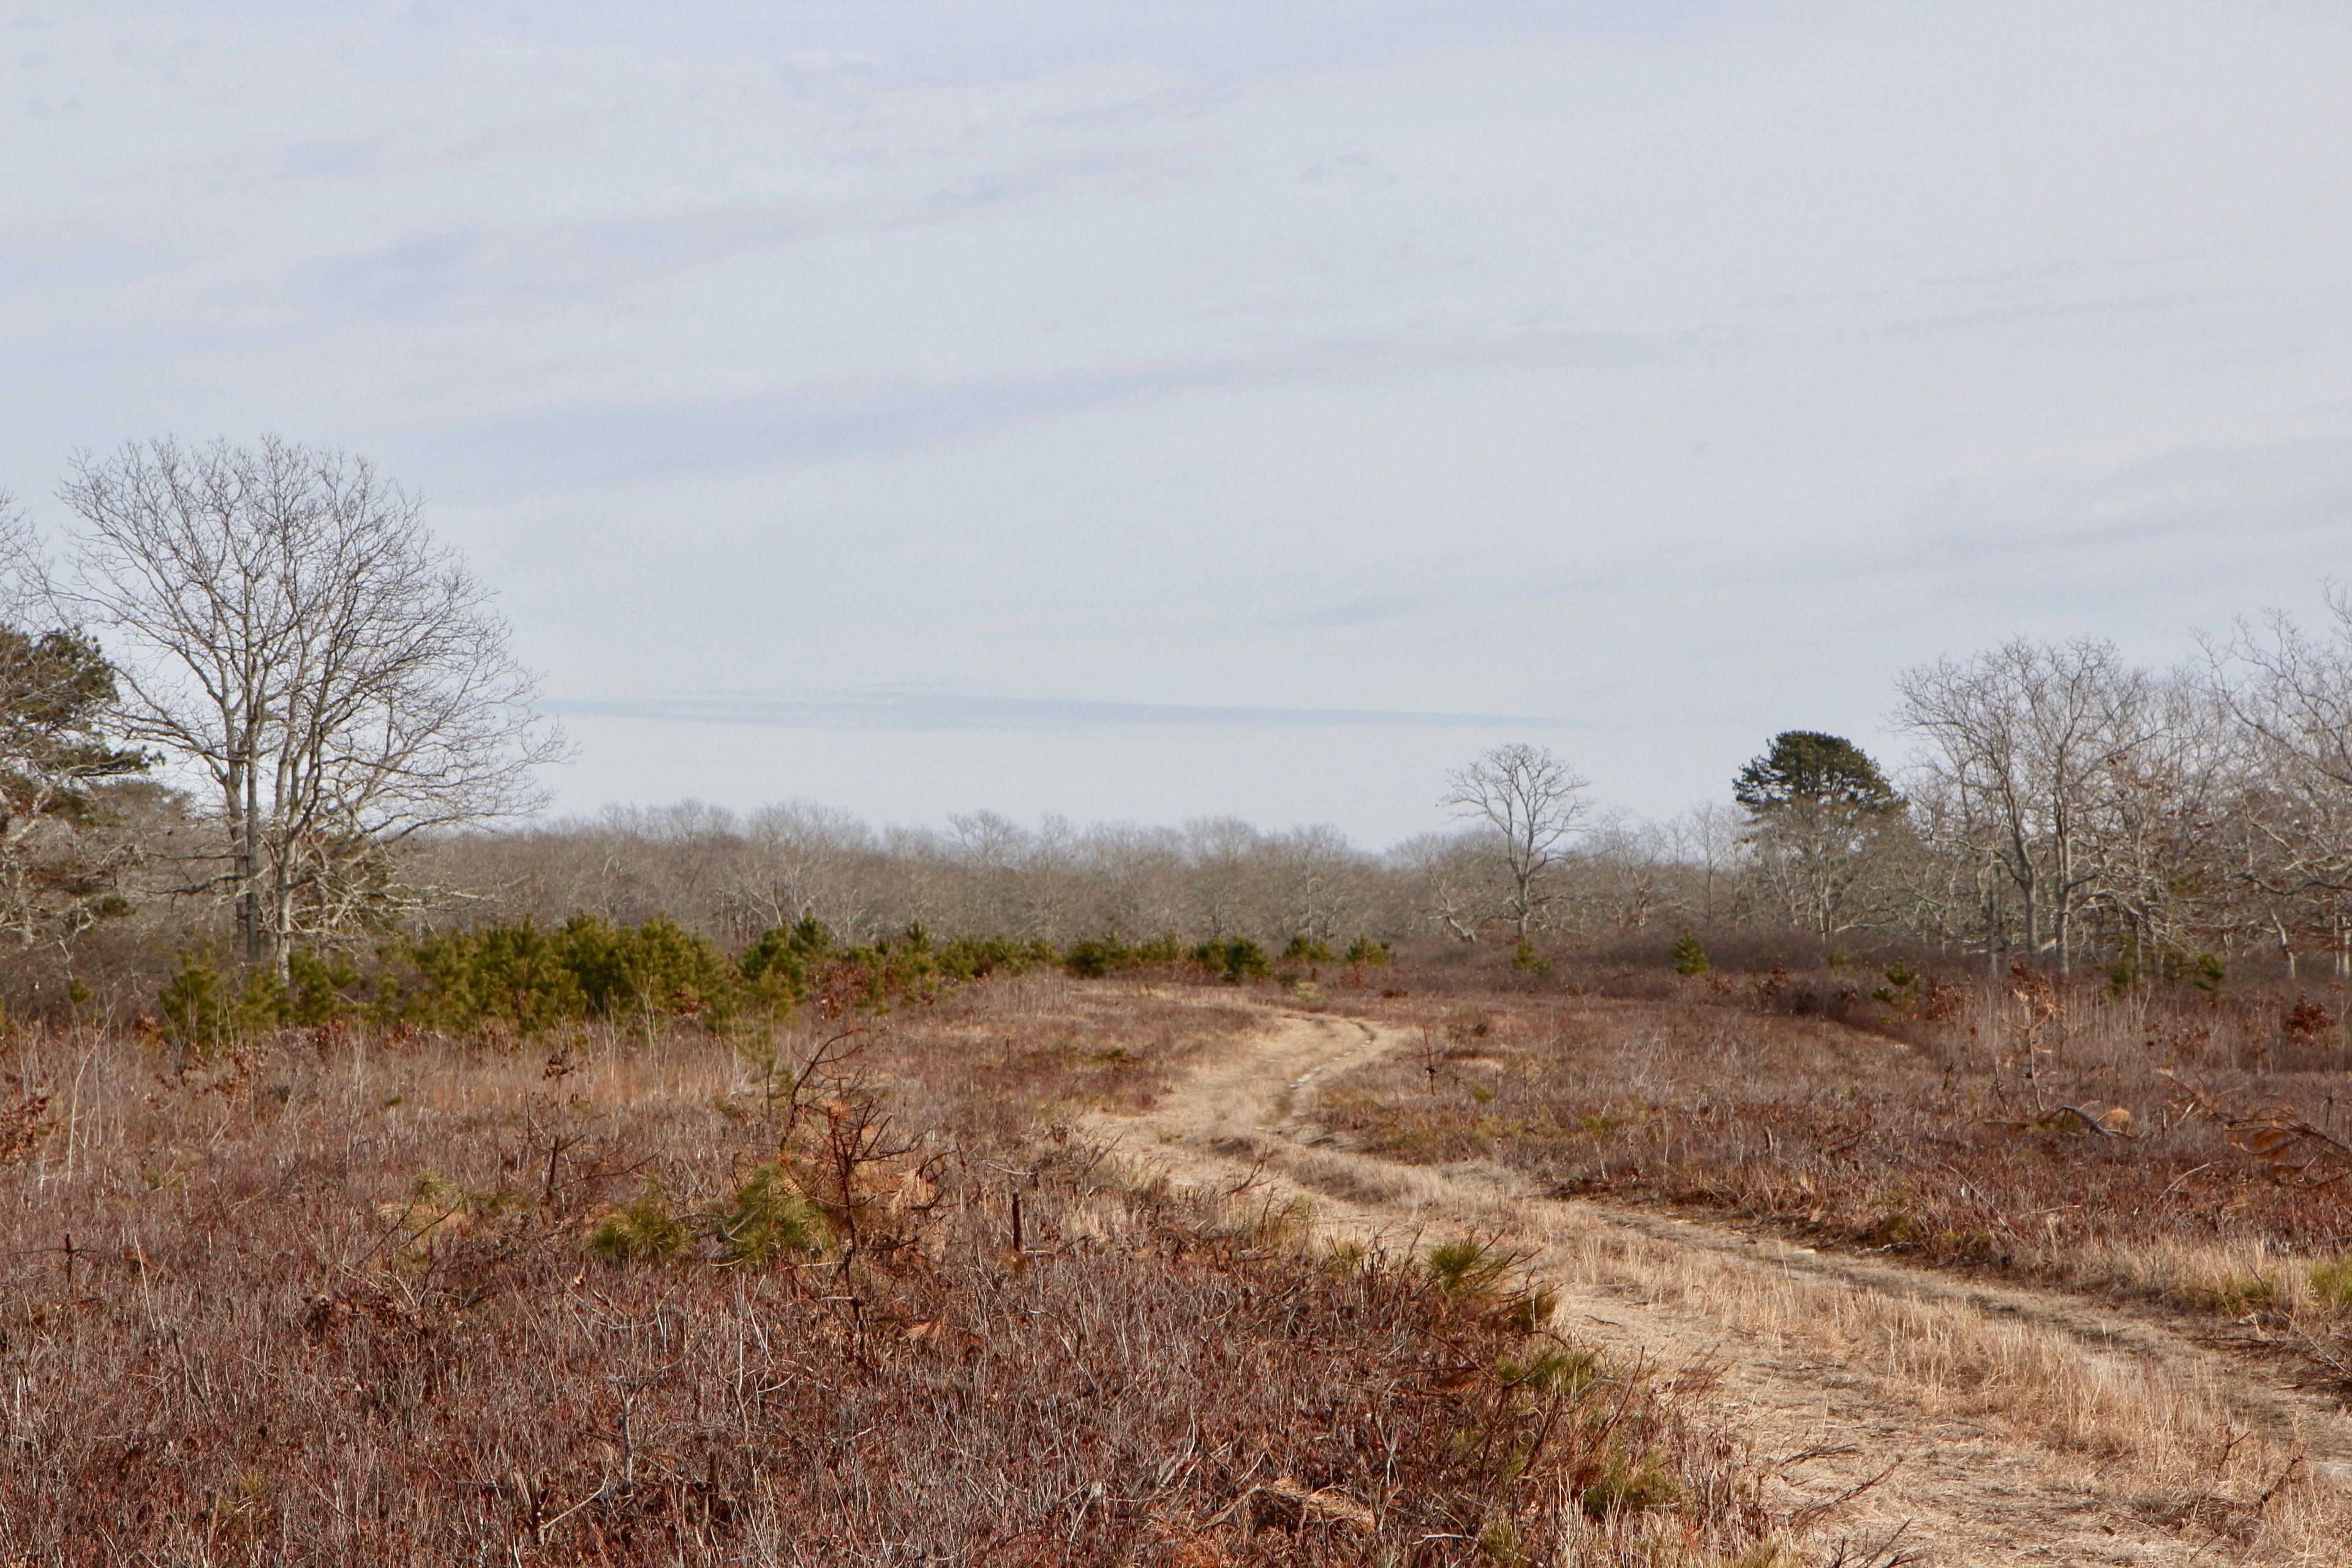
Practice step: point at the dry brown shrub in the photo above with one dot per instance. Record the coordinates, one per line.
(363, 1324)
(2050, 1130)
(23, 1126)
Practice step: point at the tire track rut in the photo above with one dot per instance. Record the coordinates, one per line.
(2009, 1413)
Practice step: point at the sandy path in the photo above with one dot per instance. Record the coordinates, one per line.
(2023, 1425)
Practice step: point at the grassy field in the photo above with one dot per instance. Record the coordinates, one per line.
(848, 1293)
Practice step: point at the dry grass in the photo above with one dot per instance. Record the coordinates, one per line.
(2132, 1147)
(342, 1299)
(2012, 1417)
(2172, 1438)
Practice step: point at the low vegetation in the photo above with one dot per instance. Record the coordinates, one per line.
(517, 981)
(389, 1180)
(2168, 1144)
(832, 1292)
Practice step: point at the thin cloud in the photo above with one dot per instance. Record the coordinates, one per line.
(931, 709)
(623, 443)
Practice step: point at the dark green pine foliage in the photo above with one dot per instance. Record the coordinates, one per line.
(55, 691)
(1816, 806)
(1806, 768)
(1690, 958)
(58, 868)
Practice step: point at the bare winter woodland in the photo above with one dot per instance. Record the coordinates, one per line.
(1938, 1160)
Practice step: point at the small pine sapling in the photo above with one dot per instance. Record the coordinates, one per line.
(1690, 958)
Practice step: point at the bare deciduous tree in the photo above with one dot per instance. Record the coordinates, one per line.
(2290, 696)
(287, 625)
(1225, 856)
(803, 861)
(1452, 882)
(1707, 838)
(1139, 880)
(2026, 739)
(1531, 802)
(2294, 692)
(1317, 888)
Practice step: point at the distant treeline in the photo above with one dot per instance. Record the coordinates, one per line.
(255, 713)
(2061, 807)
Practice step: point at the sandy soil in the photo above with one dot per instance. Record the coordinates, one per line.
(1985, 1424)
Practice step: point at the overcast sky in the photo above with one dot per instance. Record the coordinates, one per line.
(1149, 412)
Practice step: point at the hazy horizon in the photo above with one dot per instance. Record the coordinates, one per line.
(1224, 410)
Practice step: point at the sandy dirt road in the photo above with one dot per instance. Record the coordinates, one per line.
(1987, 1424)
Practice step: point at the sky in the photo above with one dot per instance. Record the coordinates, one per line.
(1146, 413)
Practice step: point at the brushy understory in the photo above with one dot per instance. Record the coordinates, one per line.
(2170, 1144)
(849, 1294)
